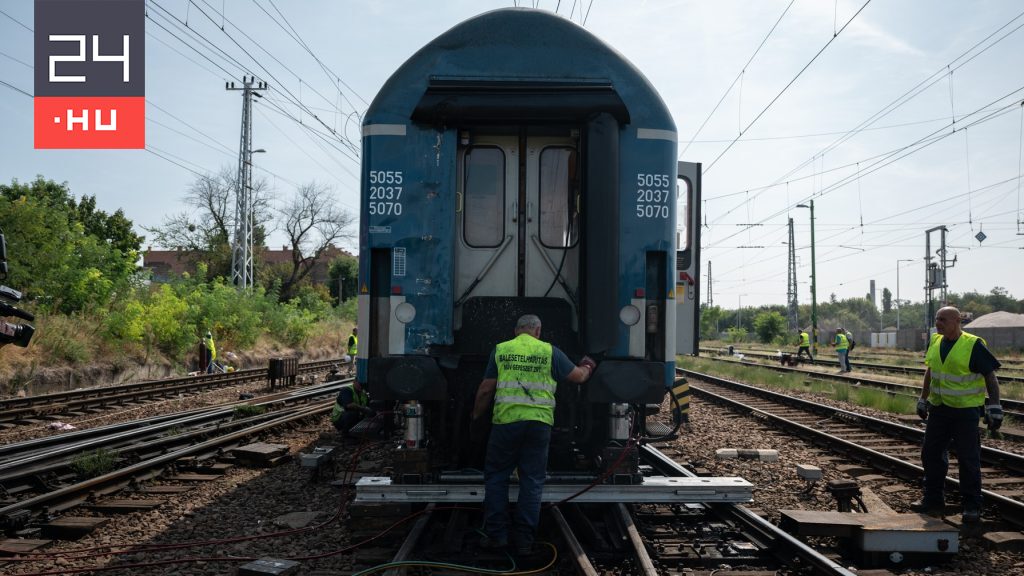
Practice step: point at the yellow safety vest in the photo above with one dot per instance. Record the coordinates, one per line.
(843, 343)
(358, 398)
(353, 345)
(952, 382)
(526, 390)
(805, 340)
(211, 348)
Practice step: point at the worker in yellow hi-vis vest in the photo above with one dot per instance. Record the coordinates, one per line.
(960, 372)
(521, 377)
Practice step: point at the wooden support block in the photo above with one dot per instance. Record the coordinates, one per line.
(1004, 541)
(71, 527)
(218, 468)
(10, 547)
(193, 478)
(123, 506)
(165, 489)
(260, 453)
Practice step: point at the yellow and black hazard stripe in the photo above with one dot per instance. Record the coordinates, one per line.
(681, 401)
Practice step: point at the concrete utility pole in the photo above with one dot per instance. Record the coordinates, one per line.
(791, 294)
(814, 286)
(898, 304)
(711, 297)
(242, 247)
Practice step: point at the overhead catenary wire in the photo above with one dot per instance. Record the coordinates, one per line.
(911, 148)
(974, 51)
(735, 80)
(784, 88)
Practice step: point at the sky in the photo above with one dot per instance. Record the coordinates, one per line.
(895, 117)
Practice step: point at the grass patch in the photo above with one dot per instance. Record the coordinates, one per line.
(247, 410)
(781, 382)
(95, 463)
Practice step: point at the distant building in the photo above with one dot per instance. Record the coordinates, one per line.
(167, 264)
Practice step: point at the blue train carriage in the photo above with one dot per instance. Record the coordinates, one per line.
(516, 164)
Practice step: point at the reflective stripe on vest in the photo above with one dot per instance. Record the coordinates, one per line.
(843, 343)
(353, 345)
(952, 382)
(358, 398)
(805, 340)
(526, 390)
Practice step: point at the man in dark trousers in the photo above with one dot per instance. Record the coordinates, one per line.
(805, 345)
(960, 370)
(521, 377)
(350, 407)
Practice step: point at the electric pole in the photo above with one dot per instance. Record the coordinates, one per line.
(711, 297)
(814, 286)
(935, 272)
(791, 297)
(242, 247)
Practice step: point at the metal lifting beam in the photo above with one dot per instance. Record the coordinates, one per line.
(657, 489)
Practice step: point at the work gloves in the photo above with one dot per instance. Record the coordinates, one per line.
(922, 408)
(993, 416)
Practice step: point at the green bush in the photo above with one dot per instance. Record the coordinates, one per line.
(736, 334)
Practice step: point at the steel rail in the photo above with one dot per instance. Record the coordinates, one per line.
(910, 370)
(780, 543)
(1009, 509)
(409, 544)
(1010, 406)
(149, 439)
(642, 557)
(583, 564)
(13, 409)
(73, 495)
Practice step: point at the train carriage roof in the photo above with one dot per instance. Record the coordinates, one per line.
(521, 64)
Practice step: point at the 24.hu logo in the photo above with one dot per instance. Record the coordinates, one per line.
(90, 78)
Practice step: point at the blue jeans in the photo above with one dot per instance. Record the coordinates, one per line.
(523, 445)
(959, 427)
(844, 359)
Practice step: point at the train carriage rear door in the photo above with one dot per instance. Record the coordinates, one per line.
(518, 222)
(688, 259)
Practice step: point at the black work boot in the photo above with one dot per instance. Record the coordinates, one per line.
(972, 514)
(494, 544)
(930, 507)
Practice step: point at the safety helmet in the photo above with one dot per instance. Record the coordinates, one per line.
(209, 334)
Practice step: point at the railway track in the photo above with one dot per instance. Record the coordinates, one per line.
(597, 538)
(1011, 407)
(915, 371)
(37, 479)
(33, 409)
(893, 449)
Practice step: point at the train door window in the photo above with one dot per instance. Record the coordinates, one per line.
(683, 199)
(559, 217)
(484, 192)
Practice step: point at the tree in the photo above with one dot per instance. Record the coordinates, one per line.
(312, 221)
(886, 300)
(709, 319)
(343, 272)
(207, 230)
(63, 253)
(769, 325)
